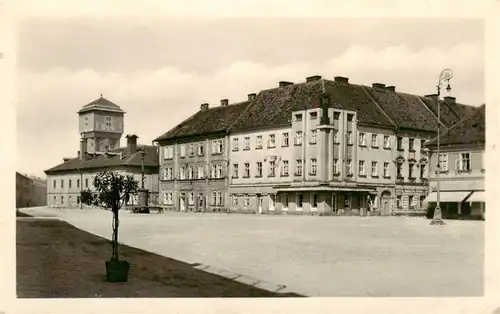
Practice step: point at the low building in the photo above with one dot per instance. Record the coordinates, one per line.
(30, 191)
(101, 128)
(462, 171)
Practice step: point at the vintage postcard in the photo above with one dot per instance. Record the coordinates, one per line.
(243, 156)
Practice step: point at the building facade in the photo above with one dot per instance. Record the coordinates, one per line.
(462, 169)
(320, 147)
(101, 128)
(30, 191)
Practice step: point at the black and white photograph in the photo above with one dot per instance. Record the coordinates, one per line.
(265, 157)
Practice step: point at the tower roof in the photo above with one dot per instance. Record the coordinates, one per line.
(101, 104)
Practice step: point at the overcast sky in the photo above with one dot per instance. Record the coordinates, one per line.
(160, 71)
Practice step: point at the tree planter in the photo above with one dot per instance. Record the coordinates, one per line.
(117, 271)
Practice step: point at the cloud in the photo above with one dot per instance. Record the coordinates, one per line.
(156, 100)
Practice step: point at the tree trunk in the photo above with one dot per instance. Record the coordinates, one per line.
(115, 235)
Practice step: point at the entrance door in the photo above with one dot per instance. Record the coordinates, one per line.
(259, 203)
(386, 203)
(272, 199)
(182, 203)
(334, 203)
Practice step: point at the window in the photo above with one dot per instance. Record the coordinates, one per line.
(168, 173)
(374, 169)
(443, 162)
(69, 183)
(191, 150)
(182, 173)
(361, 168)
(314, 166)
(86, 183)
(191, 198)
(78, 199)
(398, 171)
(246, 200)
(62, 183)
(285, 140)
(422, 171)
(235, 170)
(298, 117)
(259, 169)
(386, 169)
(217, 146)
(336, 166)
(314, 115)
(201, 199)
(387, 143)
(399, 201)
(108, 121)
(350, 117)
(298, 138)
(235, 144)
(86, 122)
(55, 183)
(168, 152)
(62, 200)
(349, 167)
(168, 198)
(272, 141)
(411, 168)
(362, 139)
(272, 168)
(284, 169)
(201, 172)
(400, 143)
(234, 200)
(247, 143)
(218, 171)
(464, 162)
(415, 201)
(300, 200)
(69, 200)
(349, 138)
(298, 167)
(374, 140)
(247, 170)
(412, 144)
(183, 150)
(217, 198)
(314, 136)
(191, 172)
(258, 143)
(201, 148)
(336, 137)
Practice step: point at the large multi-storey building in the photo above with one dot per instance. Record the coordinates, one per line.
(324, 147)
(462, 149)
(101, 128)
(30, 191)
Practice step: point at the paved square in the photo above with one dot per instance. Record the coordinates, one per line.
(315, 256)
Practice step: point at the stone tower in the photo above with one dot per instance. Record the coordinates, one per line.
(101, 125)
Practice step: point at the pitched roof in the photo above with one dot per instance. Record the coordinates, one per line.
(274, 107)
(450, 112)
(135, 160)
(101, 104)
(470, 130)
(211, 120)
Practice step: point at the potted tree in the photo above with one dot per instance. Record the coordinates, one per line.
(112, 191)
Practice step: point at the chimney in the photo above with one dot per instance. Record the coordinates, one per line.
(204, 106)
(83, 148)
(449, 100)
(378, 85)
(284, 83)
(65, 159)
(391, 88)
(313, 78)
(251, 96)
(224, 102)
(131, 144)
(341, 79)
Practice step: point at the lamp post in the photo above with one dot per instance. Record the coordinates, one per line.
(444, 76)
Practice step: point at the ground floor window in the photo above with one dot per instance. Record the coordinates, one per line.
(168, 198)
(415, 201)
(246, 200)
(191, 198)
(300, 200)
(399, 201)
(201, 198)
(284, 200)
(62, 200)
(217, 198)
(78, 199)
(334, 202)
(314, 200)
(235, 199)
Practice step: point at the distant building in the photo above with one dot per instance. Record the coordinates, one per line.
(101, 128)
(30, 191)
(325, 147)
(462, 151)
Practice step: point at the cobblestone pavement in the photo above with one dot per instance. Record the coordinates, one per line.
(315, 256)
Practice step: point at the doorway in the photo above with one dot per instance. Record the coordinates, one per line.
(259, 203)
(334, 203)
(386, 209)
(182, 202)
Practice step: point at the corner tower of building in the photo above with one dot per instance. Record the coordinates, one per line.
(101, 125)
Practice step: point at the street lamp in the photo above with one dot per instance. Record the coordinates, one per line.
(444, 77)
